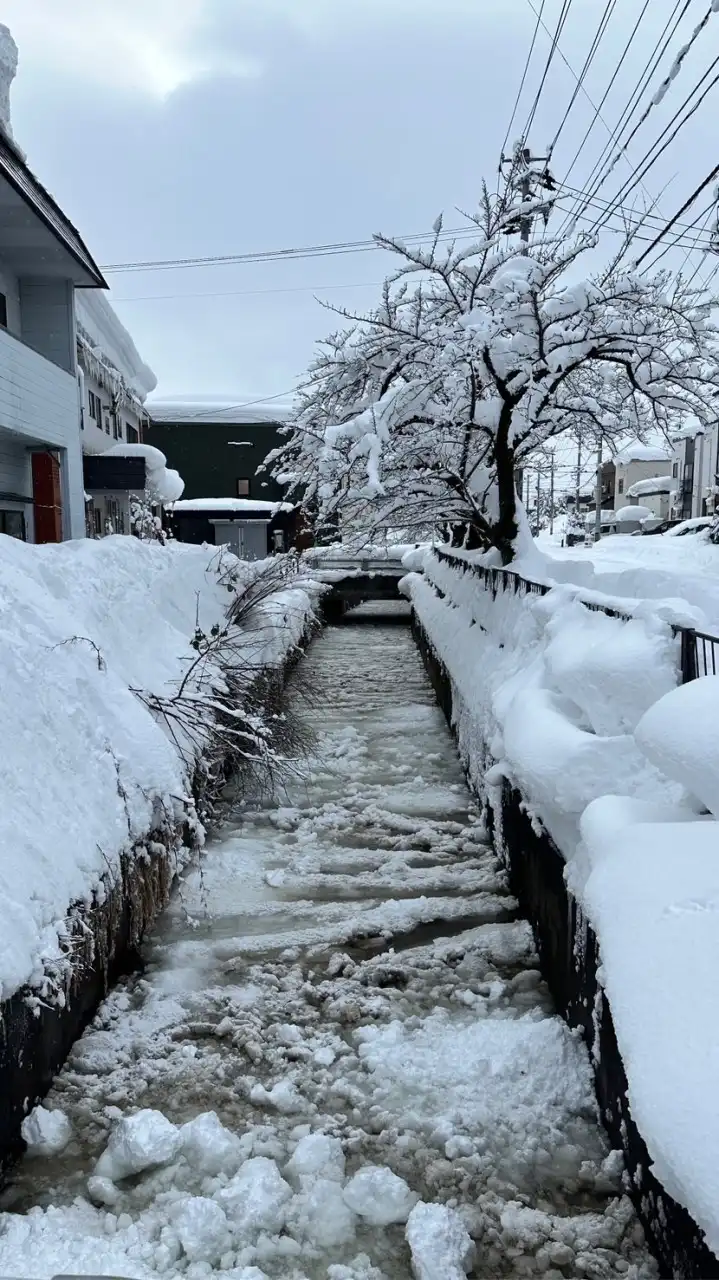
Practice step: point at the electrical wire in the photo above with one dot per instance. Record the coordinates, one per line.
(596, 177)
(524, 77)
(270, 255)
(566, 6)
(607, 91)
(631, 183)
(687, 205)
(601, 30)
(673, 244)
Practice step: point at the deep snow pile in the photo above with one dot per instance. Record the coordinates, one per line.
(86, 769)
(315, 1113)
(581, 711)
(679, 576)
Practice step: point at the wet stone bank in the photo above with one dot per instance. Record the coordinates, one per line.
(341, 1060)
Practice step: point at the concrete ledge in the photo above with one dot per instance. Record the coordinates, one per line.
(569, 956)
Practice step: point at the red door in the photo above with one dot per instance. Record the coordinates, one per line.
(47, 497)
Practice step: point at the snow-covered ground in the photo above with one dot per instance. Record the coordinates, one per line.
(340, 1062)
(581, 711)
(681, 572)
(86, 767)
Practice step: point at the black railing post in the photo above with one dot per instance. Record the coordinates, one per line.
(688, 654)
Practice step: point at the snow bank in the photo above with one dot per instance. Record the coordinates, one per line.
(87, 770)
(632, 514)
(581, 711)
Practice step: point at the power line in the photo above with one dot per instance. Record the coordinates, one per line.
(601, 29)
(608, 90)
(524, 76)
(629, 185)
(269, 255)
(566, 6)
(596, 176)
(687, 205)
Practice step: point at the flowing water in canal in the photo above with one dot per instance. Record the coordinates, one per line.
(344, 982)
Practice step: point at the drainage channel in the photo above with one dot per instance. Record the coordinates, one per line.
(340, 1026)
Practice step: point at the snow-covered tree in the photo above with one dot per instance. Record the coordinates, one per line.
(145, 523)
(420, 412)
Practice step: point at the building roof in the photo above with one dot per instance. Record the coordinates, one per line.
(109, 342)
(638, 452)
(233, 506)
(211, 409)
(14, 168)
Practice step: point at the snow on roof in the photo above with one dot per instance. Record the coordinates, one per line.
(632, 514)
(638, 452)
(231, 505)
(8, 67)
(653, 484)
(210, 409)
(103, 331)
(165, 482)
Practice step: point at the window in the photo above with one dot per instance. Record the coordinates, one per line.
(620, 487)
(243, 488)
(97, 521)
(132, 436)
(675, 470)
(94, 406)
(12, 523)
(115, 426)
(106, 415)
(3, 311)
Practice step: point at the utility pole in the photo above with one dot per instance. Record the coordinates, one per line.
(539, 486)
(579, 474)
(551, 492)
(522, 177)
(598, 506)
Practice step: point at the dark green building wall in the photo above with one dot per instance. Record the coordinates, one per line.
(208, 461)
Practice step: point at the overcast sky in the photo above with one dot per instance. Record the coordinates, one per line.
(175, 128)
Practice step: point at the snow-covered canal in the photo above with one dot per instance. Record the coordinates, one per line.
(340, 1062)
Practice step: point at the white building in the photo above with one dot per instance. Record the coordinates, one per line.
(655, 493)
(114, 384)
(636, 462)
(695, 472)
(42, 261)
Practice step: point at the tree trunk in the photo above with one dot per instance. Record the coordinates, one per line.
(506, 528)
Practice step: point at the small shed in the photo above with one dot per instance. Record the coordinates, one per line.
(251, 528)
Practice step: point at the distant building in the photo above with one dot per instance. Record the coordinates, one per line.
(634, 462)
(253, 529)
(218, 446)
(695, 471)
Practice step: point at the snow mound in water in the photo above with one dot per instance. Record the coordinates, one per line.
(46, 1133)
(441, 1246)
(139, 1142)
(318, 1156)
(283, 1096)
(256, 1198)
(209, 1147)
(202, 1228)
(379, 1196)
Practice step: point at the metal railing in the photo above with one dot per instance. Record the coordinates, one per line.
(699, 651)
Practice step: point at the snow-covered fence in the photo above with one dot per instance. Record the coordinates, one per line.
(699, 650)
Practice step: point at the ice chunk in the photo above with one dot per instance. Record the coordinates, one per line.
(138, 1142)
(256, 1198)
(379, 1196)
(201, 1225)
(102, 1191)
(284, 1096)
(441, 1246)
(317, 1155)
(209, 1147)
(319, 1214)
(46, 1133)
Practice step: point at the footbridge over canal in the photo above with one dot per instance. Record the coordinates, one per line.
(355, 579)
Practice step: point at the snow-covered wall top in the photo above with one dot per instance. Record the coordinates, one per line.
(653, 484)
(218, 409)
(101, 328)
(8, 67)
